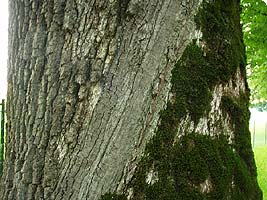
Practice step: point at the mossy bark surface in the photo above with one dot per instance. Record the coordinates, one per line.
(184, 159)
(127, 99)
(86, 82)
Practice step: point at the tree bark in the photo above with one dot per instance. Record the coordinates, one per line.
(87, 81)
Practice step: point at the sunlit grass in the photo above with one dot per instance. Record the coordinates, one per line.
(258, 129)
(261, 162)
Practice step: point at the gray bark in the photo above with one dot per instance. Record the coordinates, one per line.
(86, 82)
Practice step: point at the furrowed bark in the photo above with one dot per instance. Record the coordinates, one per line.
(86, 83)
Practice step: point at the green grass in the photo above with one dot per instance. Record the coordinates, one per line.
(261, 162)
(260, 148)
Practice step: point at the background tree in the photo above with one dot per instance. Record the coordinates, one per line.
(137, 99)
(254, 18)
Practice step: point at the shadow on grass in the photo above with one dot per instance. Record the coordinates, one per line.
(261, 162)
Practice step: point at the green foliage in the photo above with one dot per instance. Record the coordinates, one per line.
(254, 18)
(260, 106)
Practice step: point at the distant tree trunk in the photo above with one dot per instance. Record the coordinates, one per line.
(95, 86)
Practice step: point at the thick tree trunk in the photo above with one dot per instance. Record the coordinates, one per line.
(88, 84)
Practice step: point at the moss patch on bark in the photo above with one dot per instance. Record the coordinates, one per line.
(113, 196)
(237, 109)
(196, 166)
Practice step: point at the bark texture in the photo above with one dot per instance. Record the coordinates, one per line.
(87, 80)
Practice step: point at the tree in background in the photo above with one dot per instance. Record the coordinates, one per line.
(254, 18)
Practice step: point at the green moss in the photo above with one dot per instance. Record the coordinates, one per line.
(190, 162)
(111, 196)
(200, 69)
(191, 79)
(237, 109)
(182, 167)
(184, 164)
(219, 22)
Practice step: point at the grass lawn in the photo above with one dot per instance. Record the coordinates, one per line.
(258, 125)
(261, 162)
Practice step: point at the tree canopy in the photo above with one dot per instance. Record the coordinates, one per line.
(254, 19)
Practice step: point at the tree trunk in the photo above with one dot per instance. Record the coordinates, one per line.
(103, 96)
